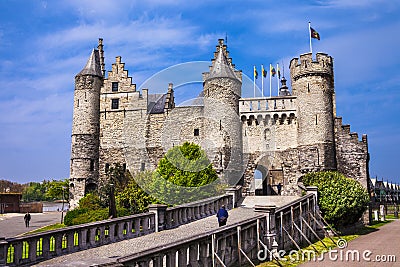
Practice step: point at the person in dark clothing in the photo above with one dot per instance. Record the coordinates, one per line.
(27, 219)
(279, 187)
(222, 216)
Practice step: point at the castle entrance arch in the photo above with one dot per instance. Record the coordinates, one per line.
(266, 177)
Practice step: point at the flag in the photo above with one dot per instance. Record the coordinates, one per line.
(279, 71)
(255, 73)
(263, 72)
(314, 34)
(272, 70)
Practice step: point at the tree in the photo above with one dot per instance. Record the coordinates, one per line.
(341, 200)
(183, 175)
(54, 190)
(132, 196)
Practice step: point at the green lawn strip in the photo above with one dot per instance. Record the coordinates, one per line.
(303, 256)
(45, 228)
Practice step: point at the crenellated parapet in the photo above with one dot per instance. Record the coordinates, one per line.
(306, 66)
(351, 153)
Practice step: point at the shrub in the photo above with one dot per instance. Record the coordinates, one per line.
(341, 200)
(89, 210)
(72, 214)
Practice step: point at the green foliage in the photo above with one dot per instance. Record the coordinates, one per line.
(341, 200)
(183, 175)
(56, 189)
(132, 197)
(72, 214)
(90, 202)
(90, 210)
(187, 165)
(46, 191)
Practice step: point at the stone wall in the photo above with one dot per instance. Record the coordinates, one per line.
(351, 153)
(85, 136)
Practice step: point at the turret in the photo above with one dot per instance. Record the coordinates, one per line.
(222, 90)
(313, 84)
(85, 129)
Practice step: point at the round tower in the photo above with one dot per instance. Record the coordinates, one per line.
(222, 90)
(313, 84)
(85, 129)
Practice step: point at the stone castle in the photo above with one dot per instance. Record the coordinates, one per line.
(282, 137)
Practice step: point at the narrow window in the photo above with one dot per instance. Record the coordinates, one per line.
(308, 87)
(142, 166)
(196, 132)
(91, 165)
(124, 167)
(316, 119)
(114, 87)
(266, 105)
(220, 125)
(107, 167)
(251, 105)
(115, 103)
(259, 105)
(77, 103)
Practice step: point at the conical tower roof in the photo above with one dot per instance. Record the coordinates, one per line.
(221, 68)
(93, 65)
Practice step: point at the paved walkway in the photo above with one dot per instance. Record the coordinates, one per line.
(108, 253)
(382, 244)
(13, 224)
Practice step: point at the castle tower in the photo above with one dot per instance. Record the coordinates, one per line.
(85, 128)
(313, 84)
(222, 90)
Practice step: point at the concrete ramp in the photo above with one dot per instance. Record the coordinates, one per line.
(278, 201)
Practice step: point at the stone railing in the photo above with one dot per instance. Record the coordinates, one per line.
(228, 245)
(248, 241)
(294, 220)
(34, 248)
(41, 246)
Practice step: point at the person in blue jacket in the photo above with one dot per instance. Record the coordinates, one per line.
(222, 216)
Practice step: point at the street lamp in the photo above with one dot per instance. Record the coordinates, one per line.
(62, 209)
(112, 211)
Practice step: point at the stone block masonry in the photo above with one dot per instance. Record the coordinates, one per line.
(283, 137)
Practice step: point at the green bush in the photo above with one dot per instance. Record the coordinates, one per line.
(341, 200)
(89, 210)
(72, 214)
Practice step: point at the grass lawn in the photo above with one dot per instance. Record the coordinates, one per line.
(46, 228)
(297, 258)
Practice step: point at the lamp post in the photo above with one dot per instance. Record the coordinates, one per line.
(112, 212)
(62, 209)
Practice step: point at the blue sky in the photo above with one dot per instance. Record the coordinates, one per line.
(44, 44)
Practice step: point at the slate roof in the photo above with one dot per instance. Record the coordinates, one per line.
(221, 68)
(156, 103)
(93, 65)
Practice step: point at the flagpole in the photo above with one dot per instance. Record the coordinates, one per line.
(309, 33)
(254, 81)
(262, 80)
(270, 80)
(277, 75)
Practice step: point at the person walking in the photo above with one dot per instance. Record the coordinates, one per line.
(222, 216)
(279, 187)
(27, 219)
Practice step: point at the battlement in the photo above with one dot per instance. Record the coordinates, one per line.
(345, 132)
(323, 65)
